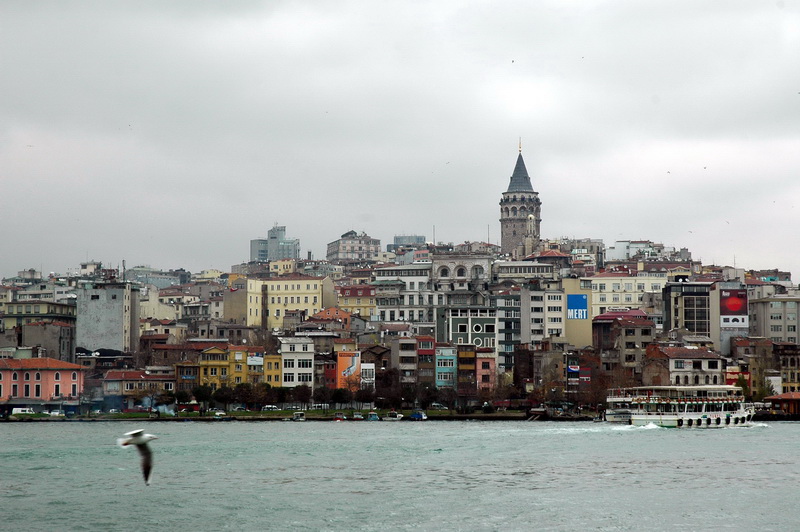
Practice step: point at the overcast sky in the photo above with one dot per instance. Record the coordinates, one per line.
(171, 133)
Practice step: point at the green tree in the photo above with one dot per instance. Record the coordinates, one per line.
(183, 397)
(322, 395)
(302, 394)
(202, 394)
(741, 382)
(341, 396)
(364, 395)
(244, 393)
(224, 395)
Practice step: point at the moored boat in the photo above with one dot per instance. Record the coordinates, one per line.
(373, 416)
(393, 416)
(709, 406)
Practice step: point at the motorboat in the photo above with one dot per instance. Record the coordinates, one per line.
(393, 416)
(418, 415)
(373, 416)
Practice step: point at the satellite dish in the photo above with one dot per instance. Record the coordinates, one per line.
(147, 372)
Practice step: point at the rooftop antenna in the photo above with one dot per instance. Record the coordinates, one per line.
(520, 144)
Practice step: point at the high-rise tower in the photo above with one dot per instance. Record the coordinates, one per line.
(520, 214)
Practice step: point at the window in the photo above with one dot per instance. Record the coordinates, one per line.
(37, 376)
(57, 376)
(485, 365)
(37, 390)
(213, 372)
(304, 377)
(305, 363)
(445, 363)
(288, 363)
(288, 377)
(679, 365)
(553, 309)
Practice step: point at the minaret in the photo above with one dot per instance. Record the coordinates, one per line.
(520, 213)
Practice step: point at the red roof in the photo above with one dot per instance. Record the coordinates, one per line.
(687, 352)
(792, 396)
(36, 363)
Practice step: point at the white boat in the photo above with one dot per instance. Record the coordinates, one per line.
(712, 406)
(618, 406)
(393, 416)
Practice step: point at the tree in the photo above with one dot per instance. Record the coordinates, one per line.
(428, 395)
(322, 395)
(448, 397)
(341, 396)
(244, 393)
(224, 395)
(303, 393)
(182, 396)
(364, 395)
(202, 394)
(741, 382)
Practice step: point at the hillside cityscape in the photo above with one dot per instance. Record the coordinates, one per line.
(408, 324)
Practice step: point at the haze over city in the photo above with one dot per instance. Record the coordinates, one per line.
(171, 134)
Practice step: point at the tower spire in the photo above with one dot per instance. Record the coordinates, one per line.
(520, 144)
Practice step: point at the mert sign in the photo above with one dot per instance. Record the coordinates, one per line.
(577, 307)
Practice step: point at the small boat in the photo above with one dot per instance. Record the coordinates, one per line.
(299, 416)
(373, 416)
(418, 415)
(339, 416)
(702, 406)
(357, 416)
(393, 416)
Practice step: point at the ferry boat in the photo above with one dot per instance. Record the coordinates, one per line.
(709, 406)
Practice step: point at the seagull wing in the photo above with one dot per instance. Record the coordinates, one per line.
(147, 460)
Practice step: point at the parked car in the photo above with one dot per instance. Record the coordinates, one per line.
(437, 406)
(113, 411)
(217, 412)
(240, 409)
(267, 408)
(57, 413)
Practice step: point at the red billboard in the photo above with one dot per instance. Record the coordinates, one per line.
(733, 302)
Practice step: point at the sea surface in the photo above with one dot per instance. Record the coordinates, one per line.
(434, 475)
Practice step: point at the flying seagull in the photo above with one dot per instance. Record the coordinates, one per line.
(140, 439)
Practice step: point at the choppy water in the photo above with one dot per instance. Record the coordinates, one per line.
(399, 476)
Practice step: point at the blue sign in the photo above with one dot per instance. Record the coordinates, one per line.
(577, 307)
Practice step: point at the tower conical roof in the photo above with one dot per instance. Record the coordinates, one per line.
(520, 181)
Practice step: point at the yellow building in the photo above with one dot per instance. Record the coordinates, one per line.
(358, 299)
(272, 370)
(221, 367)
(295, 292)
(283, 266)
(243, 302)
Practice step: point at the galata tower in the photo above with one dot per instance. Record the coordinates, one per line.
(520, 214)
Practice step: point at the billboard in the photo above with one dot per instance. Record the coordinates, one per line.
(577, 307)
(733, 309)
(733, 303)
(348, 369)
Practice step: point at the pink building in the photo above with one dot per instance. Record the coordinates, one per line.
(40, 383)
(486, 369)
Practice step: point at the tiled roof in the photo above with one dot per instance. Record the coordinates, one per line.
(792, 396)
(36, 363)
(687, 352)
